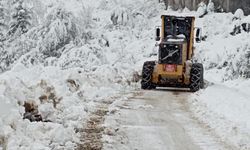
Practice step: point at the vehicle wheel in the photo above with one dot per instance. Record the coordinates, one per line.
(147, 71)
(196, 77)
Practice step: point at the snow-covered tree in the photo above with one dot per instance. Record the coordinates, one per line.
(210, 7)
(86, 17)
(202, 9)
(2, 14)
(20, 20)
(60, 28)
(239, 14)
(119, 16)
(3, 25)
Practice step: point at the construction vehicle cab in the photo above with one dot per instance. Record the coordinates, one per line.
(174, 67)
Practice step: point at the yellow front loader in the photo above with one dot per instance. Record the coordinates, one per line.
(174, 67)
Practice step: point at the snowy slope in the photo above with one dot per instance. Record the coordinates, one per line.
(224, 105)
(87, 51)
(97, 63)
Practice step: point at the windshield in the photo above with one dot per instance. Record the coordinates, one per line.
(170, 54)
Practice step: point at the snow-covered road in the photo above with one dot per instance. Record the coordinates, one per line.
(158, 120)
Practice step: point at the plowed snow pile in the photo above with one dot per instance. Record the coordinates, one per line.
(224, 105)
(76, 54)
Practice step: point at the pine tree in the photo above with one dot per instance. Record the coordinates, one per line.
(20, 20)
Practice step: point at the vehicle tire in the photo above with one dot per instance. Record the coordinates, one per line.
(147, 71)
(196, 77)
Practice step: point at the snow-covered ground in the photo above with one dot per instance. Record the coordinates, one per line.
(66, 107)
(97, 64)
(104, 44)
(224, 105)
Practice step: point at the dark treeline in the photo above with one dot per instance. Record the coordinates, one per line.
(220, 5)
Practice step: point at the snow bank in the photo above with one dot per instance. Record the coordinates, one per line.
(225, 110)
(224, 105)
(222, 51)
(66, 111)
(65, 76)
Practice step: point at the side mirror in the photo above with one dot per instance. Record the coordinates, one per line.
(248, 27)
(198, 35)
(158, 32)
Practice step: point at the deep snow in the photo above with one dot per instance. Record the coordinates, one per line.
(101, 71)
(224, 105)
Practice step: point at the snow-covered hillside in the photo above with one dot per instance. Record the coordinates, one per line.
(74, 54)
(224, 105)
(78, 53)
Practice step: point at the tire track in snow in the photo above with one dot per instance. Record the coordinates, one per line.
(92, 132)
(168, 124)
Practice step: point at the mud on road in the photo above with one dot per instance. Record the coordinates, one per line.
(147, 120)
(92, 133)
